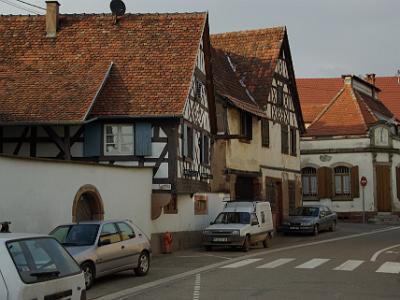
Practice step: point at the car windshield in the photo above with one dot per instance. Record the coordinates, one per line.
(76, 235)
(306, 211)
(41, 259)
(233, 217)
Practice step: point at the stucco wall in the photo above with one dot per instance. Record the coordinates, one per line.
(37, 195)
(249, 156)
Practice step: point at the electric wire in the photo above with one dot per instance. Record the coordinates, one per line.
(30, 4)
(19, 7)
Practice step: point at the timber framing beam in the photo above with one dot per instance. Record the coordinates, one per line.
(60, 143)
(19, 145)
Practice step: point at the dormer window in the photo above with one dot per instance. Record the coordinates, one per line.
(279, 94)
(118, 139)
(198, 90)
(246, 125)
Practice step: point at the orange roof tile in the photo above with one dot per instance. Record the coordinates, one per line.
(56, 80)
(390, 93)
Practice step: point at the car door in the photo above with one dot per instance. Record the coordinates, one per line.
(324, 217)
(131, 245)
(255, 228)
(109, 249)
(330, 217)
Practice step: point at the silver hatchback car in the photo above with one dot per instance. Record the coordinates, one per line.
(105, 247)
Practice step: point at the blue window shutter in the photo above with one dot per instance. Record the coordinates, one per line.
(92, 143)
(143, 139)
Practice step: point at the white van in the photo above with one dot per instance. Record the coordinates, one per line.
(240, 224)
(38, 267)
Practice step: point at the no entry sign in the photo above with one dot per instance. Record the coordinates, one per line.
(363, 181)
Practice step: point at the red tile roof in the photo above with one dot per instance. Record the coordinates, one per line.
(350, 112)
(390, 93)
(227, 84)
(254, 54)
(56, 80)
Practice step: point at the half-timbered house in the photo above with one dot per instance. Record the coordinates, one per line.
(259, 119)
(136, 90)
(350, 136)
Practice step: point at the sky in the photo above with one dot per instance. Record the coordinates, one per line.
(328, 38)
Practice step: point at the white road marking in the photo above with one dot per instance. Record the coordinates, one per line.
(276, 263)
(197, 284)
(349, 265)
(217, 256)
(313, 263)
(377, 253)
(389, 267)
(124, 294)
(241, 263)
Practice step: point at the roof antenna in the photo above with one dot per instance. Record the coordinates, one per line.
(118, 9)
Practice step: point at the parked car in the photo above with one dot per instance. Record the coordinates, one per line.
(105, 247)
(310, 219)
(240, 224)
(37, 267)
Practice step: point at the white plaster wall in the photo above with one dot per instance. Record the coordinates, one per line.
(37, 195)
(395, 163)
(364, 162)
(185, 219)
(334, 143)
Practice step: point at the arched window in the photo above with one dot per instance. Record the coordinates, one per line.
(309, 181)
(342, 181)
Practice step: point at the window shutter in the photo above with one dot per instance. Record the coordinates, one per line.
(206, 149)
(92, 141)
(265, 132)
(324, 182)
(355, 185)
(398, 181)
(143, 139)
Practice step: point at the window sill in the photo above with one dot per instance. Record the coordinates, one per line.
(200, 213)
(342, 198)
(171, 212)
(245, 140)
(265, 145)
(310, 199)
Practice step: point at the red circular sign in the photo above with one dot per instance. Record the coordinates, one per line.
(363, 181)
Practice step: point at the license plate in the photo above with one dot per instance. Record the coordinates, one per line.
(220, 239)
(294, 227)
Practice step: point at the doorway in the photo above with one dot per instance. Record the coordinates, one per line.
(383, 196)
(244, 188)
(88, 205)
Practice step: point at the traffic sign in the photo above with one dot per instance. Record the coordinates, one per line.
(363, 181)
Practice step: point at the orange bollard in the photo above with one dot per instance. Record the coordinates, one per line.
(167, 242)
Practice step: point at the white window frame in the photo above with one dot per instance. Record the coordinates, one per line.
(118, 151)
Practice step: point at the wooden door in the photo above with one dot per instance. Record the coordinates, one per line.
(383, 196)
(244, 188)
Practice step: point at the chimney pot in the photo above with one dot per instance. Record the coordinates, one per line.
(370, 78)
(52, 14)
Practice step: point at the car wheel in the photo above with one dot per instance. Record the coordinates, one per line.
(333, 227)
(89, 273)
(143, 265)
(246, 244)
(316, 230)
(208, 248)
(266, 241)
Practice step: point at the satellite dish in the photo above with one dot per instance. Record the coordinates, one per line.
(117, 7)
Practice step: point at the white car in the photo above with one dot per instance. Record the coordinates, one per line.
(38, 267)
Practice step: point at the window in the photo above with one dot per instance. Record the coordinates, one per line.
(265, 132)
(200, 204)
(293, 141)
(187, 150)
(118, 139)
(172, 206)
(309, 182)
(109, 233)
(279, 94)
(41, 259)
(262, 217)
(285, 139)
(342, 181)
(126, 231)
(198, 91)
(254, 219)
(246, 125)
(76, 235)
(204, 149)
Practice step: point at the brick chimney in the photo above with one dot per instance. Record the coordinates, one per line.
(52, 13)
(370, 78)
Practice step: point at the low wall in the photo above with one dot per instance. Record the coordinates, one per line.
(37, 194)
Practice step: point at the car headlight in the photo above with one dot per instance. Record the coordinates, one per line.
(236, 232)
(206, 232)
(306, 223)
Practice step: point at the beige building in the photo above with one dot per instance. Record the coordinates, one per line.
(259, 120)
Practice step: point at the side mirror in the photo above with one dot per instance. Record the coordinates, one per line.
(104, 242)
(254, 223)
(211, 223)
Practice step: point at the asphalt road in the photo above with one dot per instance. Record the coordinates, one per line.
(355, 262)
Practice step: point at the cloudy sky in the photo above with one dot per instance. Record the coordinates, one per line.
(328, 37)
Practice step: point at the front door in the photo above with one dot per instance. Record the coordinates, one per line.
(244, 188)
(383, 196)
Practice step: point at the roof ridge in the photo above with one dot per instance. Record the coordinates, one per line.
(247, 31)
(327, 107)
(179, 14)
